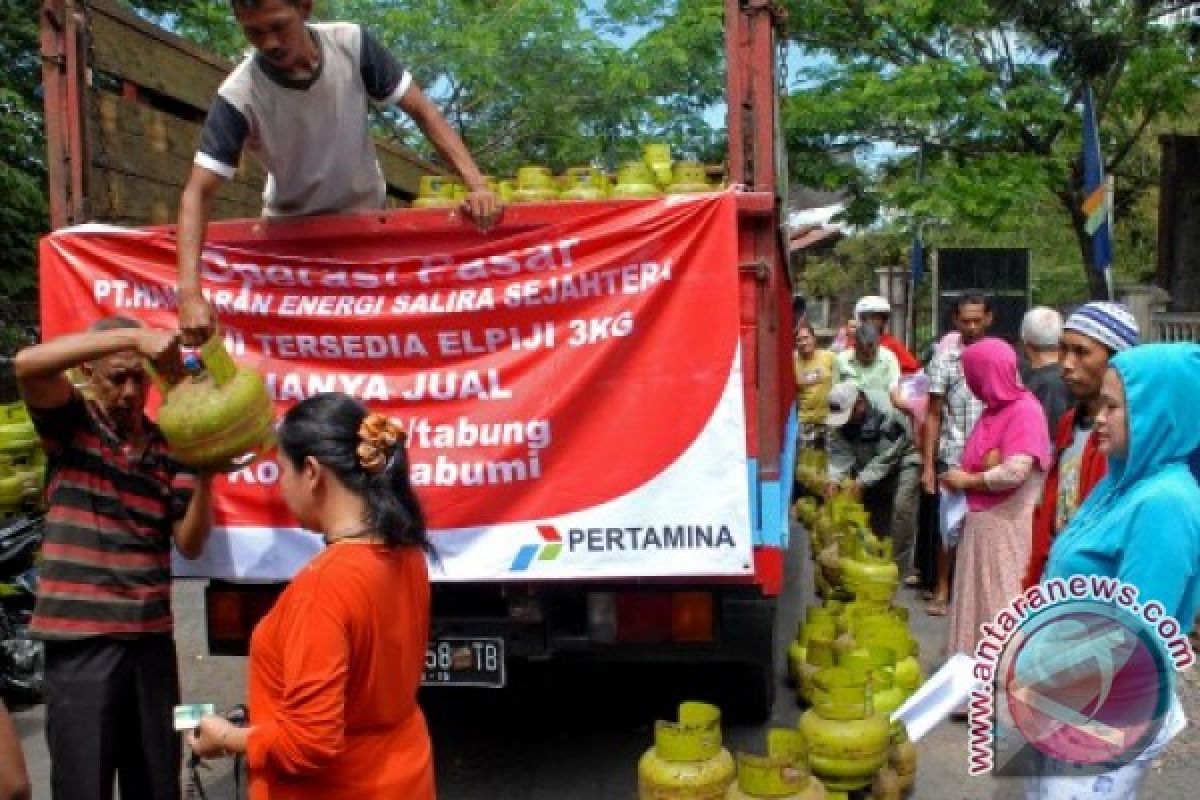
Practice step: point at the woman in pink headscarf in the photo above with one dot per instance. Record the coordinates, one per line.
(1003, 467)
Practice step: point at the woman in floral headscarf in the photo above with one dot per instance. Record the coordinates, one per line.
(1003, 466)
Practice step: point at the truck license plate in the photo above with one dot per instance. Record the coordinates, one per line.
(464, 661)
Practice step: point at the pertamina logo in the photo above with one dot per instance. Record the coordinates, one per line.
(608, 540)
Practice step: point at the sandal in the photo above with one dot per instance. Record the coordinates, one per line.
(937, 608)
(913, 581)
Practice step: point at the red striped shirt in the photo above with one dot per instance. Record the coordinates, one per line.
(106, 559)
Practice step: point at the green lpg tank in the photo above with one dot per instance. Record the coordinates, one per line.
(847, 738)
(687, 761)
(782, 774)
(219, 419)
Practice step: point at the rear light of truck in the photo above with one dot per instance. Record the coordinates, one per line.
(232, 612)
(692, 617)
(650, 617)
(602, 617)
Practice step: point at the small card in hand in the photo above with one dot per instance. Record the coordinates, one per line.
(188, 717)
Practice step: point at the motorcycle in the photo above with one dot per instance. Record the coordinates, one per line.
(22, 659)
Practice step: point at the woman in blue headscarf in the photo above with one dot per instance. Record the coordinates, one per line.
(1141, 525)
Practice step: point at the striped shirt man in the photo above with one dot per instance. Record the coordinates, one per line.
(106, 558)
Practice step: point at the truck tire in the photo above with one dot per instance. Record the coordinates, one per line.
(751, 698)
(751, 681)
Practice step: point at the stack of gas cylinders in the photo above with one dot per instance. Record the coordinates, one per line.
(853, 663)
(688, 762)
(826, 758)
(655, 174)
(22, 462)
(854, 660)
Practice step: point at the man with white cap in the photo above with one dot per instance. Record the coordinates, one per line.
(875, 310)
(871, 453)
(1091, 336)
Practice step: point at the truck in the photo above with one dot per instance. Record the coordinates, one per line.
(598, 395)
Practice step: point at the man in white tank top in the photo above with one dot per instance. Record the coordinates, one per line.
(299, 104)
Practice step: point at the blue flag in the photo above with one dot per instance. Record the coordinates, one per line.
(916, 259)
(1097, 204)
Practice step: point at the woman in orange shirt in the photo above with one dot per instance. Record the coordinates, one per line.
(334, 667)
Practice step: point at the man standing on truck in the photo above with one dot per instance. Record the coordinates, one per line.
(298, 103)
(117, 501)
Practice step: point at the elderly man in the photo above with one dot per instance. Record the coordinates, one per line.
(1091, 336)
(117, 502)
(871, 451)
(1041, 330)
(868, 365)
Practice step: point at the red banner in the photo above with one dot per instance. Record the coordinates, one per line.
(562, 376)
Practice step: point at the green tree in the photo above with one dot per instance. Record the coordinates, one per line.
(550, 82)
(23, 215)
(990, 90)
(556, 82)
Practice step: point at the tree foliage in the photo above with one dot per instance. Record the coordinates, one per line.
(22, 167)
(989, 91)
(553, 82)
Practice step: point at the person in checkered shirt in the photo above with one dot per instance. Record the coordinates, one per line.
(953, 412)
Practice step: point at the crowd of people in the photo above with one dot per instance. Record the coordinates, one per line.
(1075, 457)
(987, 472)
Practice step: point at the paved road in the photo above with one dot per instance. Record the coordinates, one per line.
(570, 733)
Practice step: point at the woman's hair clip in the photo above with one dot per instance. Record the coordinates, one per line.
(380, 439)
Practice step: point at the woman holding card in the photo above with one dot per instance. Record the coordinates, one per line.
(335, 666)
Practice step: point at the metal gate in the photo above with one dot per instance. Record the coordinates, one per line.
(1002, 273)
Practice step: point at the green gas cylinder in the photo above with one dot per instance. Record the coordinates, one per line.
(847, 738)
(435, 191)
(820, 652)
(657, 156)
(635, 179)
(18, 438)
(12, 489)
(584, 183)
(33, 474)
(688, 177)
(218, 419)
(815, 628)
(806, 511)
(886, 785)
(782, 773)
(535, 184)
(687, 761)
(902, 757)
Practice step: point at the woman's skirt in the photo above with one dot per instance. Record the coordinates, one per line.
(992, 555)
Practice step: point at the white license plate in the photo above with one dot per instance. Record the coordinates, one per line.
(464, 661)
